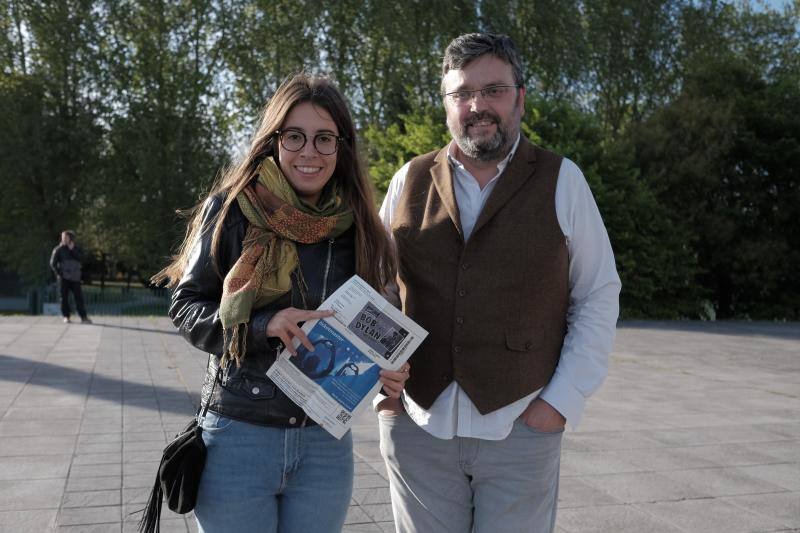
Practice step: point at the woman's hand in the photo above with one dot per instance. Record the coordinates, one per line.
(284, 326)
(395, 382)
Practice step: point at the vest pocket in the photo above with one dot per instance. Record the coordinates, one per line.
(522, 340)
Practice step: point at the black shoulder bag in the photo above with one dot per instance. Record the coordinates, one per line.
(178, 476)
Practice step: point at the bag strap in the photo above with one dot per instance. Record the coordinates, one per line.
(151, 517)
(202, 407)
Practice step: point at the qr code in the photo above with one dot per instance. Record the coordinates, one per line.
(343, 416)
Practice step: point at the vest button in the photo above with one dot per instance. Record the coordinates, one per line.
(445, 377)
(293, 420)
(459, 320)
(528, 345)
(462, 292)
(465, 266)
(457, 349)
(255, 390)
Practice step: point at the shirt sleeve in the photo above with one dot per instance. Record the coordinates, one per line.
(392, 198)
(593, 301)
(387, 212)
(391, 292)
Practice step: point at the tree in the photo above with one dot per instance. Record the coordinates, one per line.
(723, 156)
(421, 131)
(387, 55)
(551, 39)
(49, 136)
(265, 42)
(654, 257)
(166, 131)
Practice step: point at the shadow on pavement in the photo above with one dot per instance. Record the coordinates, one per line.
(170, 331)
(79, 383)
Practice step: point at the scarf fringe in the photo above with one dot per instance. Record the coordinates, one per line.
(234, 344)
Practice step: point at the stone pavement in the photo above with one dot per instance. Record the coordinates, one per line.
(697, 429)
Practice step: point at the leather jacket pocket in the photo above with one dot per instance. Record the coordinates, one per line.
(252, 387)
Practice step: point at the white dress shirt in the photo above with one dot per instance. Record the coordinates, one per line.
(591, 317)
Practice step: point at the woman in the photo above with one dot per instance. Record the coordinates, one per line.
(277, 234)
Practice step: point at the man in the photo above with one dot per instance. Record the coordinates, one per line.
(66, 264)
(504, 259)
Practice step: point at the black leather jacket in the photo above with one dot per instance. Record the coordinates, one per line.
(246, 393)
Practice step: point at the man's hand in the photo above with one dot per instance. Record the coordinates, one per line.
(541, 416)
(395, 382)
(284, 326)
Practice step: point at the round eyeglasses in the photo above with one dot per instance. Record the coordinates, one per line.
(295, 140)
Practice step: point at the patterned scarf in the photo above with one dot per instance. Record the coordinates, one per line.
(263, 273)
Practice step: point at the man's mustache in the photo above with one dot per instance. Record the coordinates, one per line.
(483, 115)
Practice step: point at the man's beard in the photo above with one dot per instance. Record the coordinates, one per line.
(488, 149)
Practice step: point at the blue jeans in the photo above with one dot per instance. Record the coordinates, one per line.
(270, 479)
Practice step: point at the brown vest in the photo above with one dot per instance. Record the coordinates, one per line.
(495, 307)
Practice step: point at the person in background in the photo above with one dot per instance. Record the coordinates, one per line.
(277, 234)
(504, 259)
(65, 261)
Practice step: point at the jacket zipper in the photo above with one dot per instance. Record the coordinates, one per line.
(324, 295)
(327, 271)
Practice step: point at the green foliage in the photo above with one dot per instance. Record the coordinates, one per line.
(34, 203)
(49, 135)
(682, 115)
(421, 131)
(387, 55)
(263, 42)
(165, 142)
(723, 157)
(654, 259)
(551, 38)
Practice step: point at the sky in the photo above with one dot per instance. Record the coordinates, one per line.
(774, 4)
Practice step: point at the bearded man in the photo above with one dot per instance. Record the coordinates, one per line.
(504, 259)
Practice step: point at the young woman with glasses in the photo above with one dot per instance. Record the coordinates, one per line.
(277, 234)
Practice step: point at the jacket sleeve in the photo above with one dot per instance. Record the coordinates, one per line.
(55, 261)
(196, 300)
(76, 253)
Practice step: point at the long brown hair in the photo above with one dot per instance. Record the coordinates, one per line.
(375, 258)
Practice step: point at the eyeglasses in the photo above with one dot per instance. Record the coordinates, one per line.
(492, 93)
(294, 141)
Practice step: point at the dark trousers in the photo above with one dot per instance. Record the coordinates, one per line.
(74, 287)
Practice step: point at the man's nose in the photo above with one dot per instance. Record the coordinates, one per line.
(477, 103)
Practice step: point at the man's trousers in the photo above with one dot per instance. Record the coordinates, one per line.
(74, 287)
(466, 485)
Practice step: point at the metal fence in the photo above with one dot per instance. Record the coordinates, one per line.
(108, 300)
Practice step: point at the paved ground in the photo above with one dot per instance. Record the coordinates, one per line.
(697, 429)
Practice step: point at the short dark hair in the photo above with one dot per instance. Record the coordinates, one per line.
(470, 46)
